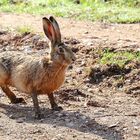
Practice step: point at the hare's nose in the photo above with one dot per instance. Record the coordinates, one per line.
(73, 58)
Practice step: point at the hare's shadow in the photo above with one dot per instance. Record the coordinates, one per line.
(89, 125)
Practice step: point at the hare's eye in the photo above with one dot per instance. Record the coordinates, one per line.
(61, 50)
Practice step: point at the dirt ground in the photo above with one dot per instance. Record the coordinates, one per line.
(98, 104)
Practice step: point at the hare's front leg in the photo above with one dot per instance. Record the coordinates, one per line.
(38, 114)
(54, 106)
(12, 96)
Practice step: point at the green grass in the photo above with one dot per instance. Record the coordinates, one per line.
(24, 29)
(119, 58)
(120, 11)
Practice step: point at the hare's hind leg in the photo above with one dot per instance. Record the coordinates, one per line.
(54, 106)
(11, 95)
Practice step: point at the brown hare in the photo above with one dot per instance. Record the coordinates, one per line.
(37, 75)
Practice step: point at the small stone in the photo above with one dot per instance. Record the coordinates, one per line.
(91, 90)
(136, 127)
(8, 133)
(67, 120)
(71, 124)
(74, 136)
(20, 120)
(98, 113)
(84, 117)
(54, 139)
(86, 32)
(114, 125)
(92, 103)
(36, 131)
(41, 120)
(60, 115)
(54, 126)
(1, 126)
(27, 49)
(83, 63)
(36, 37)
(11, 116)
(125, 129)
(58, 137)
(70, 67)
(79, 70)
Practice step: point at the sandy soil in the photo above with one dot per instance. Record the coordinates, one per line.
(97, 104)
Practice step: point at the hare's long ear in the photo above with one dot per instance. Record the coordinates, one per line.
(57, 29)
(49, 30)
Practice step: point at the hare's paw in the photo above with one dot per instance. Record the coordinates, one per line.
(39, 116)
(18, 100)
(57, 108)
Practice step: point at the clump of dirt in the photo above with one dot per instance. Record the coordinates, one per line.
(115, 76)
(135, 90)
(15, 41)
(69, 94)
(71, 41)
(98, 73)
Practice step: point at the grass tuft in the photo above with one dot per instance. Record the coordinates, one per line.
(24, 29)
(119, 58)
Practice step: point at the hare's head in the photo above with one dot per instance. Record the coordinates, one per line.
(59, 52)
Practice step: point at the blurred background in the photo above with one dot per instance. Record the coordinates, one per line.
(120, 11)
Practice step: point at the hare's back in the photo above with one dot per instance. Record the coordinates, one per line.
(7, 61)
(18, 70)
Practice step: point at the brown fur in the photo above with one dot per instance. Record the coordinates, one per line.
(28, 73)
(36, 75)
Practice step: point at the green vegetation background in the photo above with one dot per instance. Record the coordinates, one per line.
(119, 11)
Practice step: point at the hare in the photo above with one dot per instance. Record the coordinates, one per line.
(37, 75)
